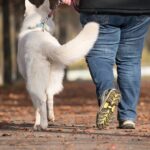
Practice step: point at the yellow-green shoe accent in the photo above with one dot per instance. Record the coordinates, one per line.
(110, 101)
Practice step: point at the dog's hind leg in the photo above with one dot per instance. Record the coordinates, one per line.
(55, 86)
(50, 107)
(43, 115)
(37, 120)
(38, 71)
(39, 103)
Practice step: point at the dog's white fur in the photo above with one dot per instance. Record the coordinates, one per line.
(41, 59)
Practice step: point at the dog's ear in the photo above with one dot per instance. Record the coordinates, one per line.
(29, 6)
(45, 5)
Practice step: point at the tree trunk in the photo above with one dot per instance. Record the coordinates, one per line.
(6, 42)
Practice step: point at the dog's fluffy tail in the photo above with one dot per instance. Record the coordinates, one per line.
(79, 46)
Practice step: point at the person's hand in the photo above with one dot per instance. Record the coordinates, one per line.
(68, 2)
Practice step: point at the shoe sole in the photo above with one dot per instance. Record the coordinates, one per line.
(107, 109)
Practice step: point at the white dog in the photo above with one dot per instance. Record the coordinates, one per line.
(41, 59)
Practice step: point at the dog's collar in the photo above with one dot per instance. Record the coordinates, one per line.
(41, 25)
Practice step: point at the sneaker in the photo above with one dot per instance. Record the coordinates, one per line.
(110, 100)
(128, 124)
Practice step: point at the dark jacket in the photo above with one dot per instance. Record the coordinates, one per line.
(127, 7)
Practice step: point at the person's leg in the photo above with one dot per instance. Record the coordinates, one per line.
(100, 61)
(101, 58)
(128, 62)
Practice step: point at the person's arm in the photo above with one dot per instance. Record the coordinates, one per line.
(68, 2)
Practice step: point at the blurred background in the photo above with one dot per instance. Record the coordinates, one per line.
(67, 26)
(75, 107)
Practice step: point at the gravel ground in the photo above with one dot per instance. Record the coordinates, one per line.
(74, 128)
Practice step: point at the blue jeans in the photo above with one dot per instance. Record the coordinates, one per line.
(120, 42)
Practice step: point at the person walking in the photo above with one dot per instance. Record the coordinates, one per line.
(123, 27)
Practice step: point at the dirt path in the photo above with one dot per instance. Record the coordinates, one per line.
(74, 129)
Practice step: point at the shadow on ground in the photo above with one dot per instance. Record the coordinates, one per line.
(74, 128)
